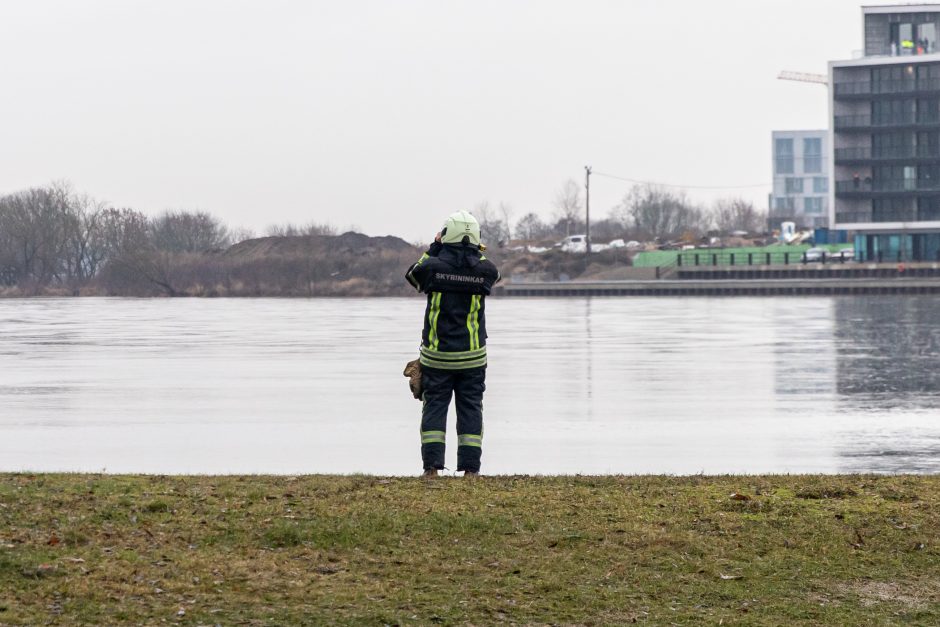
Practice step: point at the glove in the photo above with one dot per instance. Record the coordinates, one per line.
(413, 372)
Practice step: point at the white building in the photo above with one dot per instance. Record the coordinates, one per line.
(801, 178)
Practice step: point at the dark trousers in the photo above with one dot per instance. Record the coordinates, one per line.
(467, 386)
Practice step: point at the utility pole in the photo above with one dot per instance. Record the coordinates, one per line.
(587, 207)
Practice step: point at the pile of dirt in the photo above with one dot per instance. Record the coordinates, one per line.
(346, 244)
(554, 264)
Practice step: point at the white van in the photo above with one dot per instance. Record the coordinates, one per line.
(574, 244)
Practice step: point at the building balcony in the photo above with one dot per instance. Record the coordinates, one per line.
(866, 154)
(868, 188)
(867, 123)
(867, 89)
(870, 216)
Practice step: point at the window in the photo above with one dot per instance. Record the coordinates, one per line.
(892, 112)
(926, 39)
(928, 208)
(812, 154)
(892, 210)
(894, 145)
(793, 185)
(902, 39)
(783, 153)
(928, 177)
(927, 74)
(892, 79)
(928, 110)
(928, 144)
(820, 185)
(895, 178)
(782, 202)
(813, 204)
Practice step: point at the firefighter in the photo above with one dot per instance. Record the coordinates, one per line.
(457, 278)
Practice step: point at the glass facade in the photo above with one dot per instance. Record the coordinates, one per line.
(783, 153)
(908, 38)
(813, 204)
(801, 167)
(897, 247)
(886, 137)
(783, 203)
(812, 155)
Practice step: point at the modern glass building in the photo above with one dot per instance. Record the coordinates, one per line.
(885, 134)
(801, 179)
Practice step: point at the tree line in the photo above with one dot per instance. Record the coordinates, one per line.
(54, 236)
(646, 213)
(55, 240)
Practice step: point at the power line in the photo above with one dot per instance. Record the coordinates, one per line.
(638, 182)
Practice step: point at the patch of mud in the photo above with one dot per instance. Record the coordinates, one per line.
(914, 595)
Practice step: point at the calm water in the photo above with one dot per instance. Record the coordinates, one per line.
(574, 385)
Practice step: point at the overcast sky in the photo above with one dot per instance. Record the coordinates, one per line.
(388, 115)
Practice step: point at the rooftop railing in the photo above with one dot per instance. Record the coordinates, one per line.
(861, 153)
(907, 118)
(905, 185)
(895, 86)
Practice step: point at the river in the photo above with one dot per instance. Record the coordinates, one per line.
(575, 385)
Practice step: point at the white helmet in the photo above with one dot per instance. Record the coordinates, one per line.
(461, 225)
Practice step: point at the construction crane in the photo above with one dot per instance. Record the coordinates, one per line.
(804, 77)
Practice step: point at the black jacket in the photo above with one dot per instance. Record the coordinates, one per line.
(457, 279)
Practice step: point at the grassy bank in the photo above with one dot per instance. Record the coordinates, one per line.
(366, 550)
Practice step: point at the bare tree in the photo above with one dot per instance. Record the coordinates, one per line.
(492, 228)
(505, 214)
(737, 214)
(188, 232)
(294, 230)
(34, 229)
(241, 234)
(133, 260)
(84, 246)
(531, 227)
(568, 205)
(658, 213)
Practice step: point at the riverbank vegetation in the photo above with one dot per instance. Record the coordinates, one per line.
(772, 550)
(55, 241)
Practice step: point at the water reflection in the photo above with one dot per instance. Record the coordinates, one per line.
(888, 380)
(632, 385)
(887, 352)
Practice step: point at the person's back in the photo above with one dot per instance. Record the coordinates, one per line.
(456, 277)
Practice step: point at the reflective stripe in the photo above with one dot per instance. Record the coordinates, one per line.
(476, 320)
(470, 440)
(430, 437)
(411, 277)
(473, 322)
(433, 315)
(453, 365)
(452, 356)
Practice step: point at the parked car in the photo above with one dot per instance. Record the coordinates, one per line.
(573, 244)
(844, 254)
(814, 255)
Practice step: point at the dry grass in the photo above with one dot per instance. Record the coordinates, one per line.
(101, 549)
